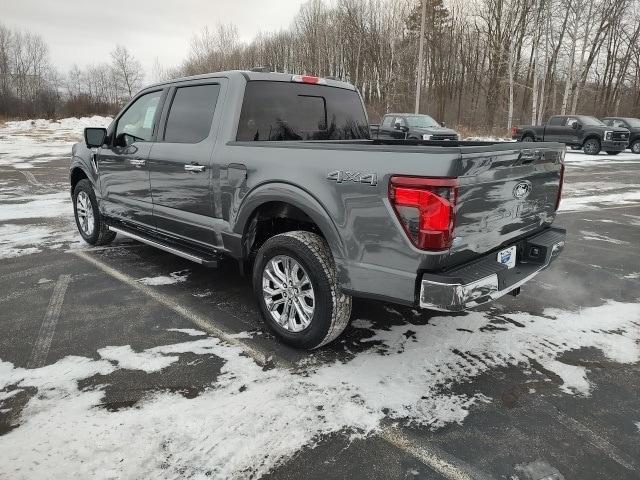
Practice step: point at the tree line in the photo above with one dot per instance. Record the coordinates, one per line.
(487, 64)
(30, 86)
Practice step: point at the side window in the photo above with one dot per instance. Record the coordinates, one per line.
(138, 121)
(387, 122)
(191, 114)
(557, 121)
(609, 123)
(571, 121)
(619, 123)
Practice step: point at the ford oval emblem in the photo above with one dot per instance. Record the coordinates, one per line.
(522, 190)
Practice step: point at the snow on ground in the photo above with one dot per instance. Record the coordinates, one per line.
(26, 143)
(173, 277)
(251, 419)
(36, 214)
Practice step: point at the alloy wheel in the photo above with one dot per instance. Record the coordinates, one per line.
(288, 293)
(84, 210)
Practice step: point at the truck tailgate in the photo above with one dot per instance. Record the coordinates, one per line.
(504, 194)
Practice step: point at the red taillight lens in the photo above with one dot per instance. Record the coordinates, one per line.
(514, 131)
(426, 209)
(560, 186)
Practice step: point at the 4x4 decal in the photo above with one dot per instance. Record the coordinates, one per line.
(341, 176)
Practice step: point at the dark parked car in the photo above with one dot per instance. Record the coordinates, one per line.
(278, 172)
(631, 124)
(578, 132)
(407, 126)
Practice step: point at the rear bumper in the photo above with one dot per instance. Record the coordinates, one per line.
(486, 279)
(614, 145)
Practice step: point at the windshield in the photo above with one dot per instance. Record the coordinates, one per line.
(633, 122)
(421, 121)
(590, 121)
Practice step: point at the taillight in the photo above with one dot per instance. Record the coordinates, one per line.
(560, 186)
(426, 209)
(514, 132)
(308, 79)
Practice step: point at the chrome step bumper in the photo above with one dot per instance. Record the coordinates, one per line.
(486, 279)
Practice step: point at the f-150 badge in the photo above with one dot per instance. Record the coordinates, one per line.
(341, 176)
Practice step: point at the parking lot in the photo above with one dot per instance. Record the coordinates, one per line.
(127, 362)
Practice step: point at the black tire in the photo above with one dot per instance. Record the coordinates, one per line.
(528, 138)
(613, 153)
(635, 147)
(331, 307)
(592, 146)
(100, 234)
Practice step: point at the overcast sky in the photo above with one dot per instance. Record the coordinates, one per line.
(85, 31)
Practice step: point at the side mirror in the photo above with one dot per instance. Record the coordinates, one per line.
(442, 124)
(94, 137)
(404, 128)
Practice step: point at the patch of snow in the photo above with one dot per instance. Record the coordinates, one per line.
(638, 425)
(192, 332)
(146, 361)
(174, 277)
(601, 238)
(633, 276)
(361, 323)
(37, 206)
(594, 202)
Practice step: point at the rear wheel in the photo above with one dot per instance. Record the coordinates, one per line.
(591, 146)
(294, 280)
(635, 146)
(528, 138)
(613, 153)
(90, 223)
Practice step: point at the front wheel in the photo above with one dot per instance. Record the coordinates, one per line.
(591, 146)
(613, 153)
(635, 147)
(90, 223)
(294, 280)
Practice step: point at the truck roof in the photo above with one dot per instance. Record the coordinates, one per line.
(249, 75)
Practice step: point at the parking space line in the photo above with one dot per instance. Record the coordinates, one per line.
(435, 458)
(596, 440)
(48, 327)
(260, 357)
(31, 178)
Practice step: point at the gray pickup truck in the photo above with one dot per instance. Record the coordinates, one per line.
(278, 172)
(577, 131)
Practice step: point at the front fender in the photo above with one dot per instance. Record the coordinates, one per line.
(296, 196)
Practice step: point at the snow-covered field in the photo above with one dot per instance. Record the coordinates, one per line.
(251, 419)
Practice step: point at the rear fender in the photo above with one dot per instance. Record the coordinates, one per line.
(287, 193)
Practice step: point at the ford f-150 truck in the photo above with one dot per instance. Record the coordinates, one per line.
(400, 126)
(631, 124)
(278, 171)
(578, 132)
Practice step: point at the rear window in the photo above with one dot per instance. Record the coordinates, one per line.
(276, 111)
(556, 121)
(191, 114)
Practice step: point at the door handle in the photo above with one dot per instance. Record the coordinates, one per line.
(194, 168)
(137, 162)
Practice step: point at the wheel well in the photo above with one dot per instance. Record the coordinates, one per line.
(592, 137)
(273, 218)
(77, 174)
